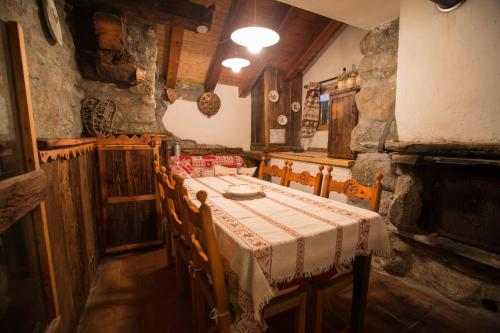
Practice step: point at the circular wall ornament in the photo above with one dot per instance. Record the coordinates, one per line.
(52, 19)
(296, 106)
(274, 96)
(209, 103)
(282, 120)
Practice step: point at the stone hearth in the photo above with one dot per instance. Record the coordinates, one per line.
(462, 272)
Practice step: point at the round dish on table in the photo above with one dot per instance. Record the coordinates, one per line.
(244, 190)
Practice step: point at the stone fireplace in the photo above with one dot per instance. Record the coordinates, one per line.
(440, 198)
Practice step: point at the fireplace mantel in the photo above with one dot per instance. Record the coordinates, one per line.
(445, 148)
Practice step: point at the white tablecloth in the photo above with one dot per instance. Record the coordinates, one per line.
(285, 235)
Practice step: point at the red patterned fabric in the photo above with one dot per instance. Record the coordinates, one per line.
(203, 166)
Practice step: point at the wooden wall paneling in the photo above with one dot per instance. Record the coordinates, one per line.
(295, 89)
(58, 214)
(72, 231)
(273, 80)
(103, 195)
(257, 110)
(265, 113)
(88, 182)
(26, 121)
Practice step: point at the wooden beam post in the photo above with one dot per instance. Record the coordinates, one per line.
(314, 48)
(236, 10)
(27, 125)
(174, 55)
(256, 69)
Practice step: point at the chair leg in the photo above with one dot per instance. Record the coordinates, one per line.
(180, 271)
(194, 301)
(201, 308)
(319, 301)
(301, 314)
(168, 248)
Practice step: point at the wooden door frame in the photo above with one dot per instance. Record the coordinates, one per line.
(28, 137)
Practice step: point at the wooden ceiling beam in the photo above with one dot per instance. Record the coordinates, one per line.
(235, 12)
(174, 55)
(180, 13)
(256, 69)
(317, 44)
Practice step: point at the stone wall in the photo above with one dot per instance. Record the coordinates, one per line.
(454, 276)
(54, 78)
(136, 104)
(375, 103)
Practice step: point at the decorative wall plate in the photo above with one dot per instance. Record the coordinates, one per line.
(52, 19)
(282, 120)
(296, 106)
(274, 96)
(209, 103)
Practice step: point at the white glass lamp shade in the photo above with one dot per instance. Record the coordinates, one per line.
(235, 64)
(255, 38)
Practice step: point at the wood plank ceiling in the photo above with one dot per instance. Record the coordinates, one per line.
(303, 35)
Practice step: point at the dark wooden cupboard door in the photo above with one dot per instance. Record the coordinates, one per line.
(130, 213)
(343, 118)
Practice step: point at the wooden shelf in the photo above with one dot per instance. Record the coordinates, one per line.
(46, 143)
(316, 160)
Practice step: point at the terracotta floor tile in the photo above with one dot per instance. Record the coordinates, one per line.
(136, 293)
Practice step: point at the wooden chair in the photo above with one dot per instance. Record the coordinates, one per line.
(273, 171)
(305, 178)
(159, 173)
(170, 203)
(208, 281)
(353, 189)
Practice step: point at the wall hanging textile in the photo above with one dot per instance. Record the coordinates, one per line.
(310, 118)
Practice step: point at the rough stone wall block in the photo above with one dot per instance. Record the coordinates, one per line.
(377, 97)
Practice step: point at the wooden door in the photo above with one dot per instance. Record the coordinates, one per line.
(343, 118)
(130, 214)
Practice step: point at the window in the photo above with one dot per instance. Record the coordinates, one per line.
(324, 112)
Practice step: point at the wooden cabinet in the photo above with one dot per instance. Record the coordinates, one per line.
(343, 118)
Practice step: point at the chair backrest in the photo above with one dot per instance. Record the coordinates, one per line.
(206, 255)
(305, 178)
(352, 188)
(160, 188)
(170, 202)
(273, 170)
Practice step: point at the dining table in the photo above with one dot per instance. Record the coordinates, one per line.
(282, 235)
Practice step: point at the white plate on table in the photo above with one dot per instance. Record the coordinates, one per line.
(244, 190)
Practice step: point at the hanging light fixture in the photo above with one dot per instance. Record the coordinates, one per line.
(254, 37)
(236, 64)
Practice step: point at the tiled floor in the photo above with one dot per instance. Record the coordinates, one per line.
(137, 293)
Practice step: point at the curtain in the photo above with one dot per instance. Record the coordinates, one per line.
(310, 116)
